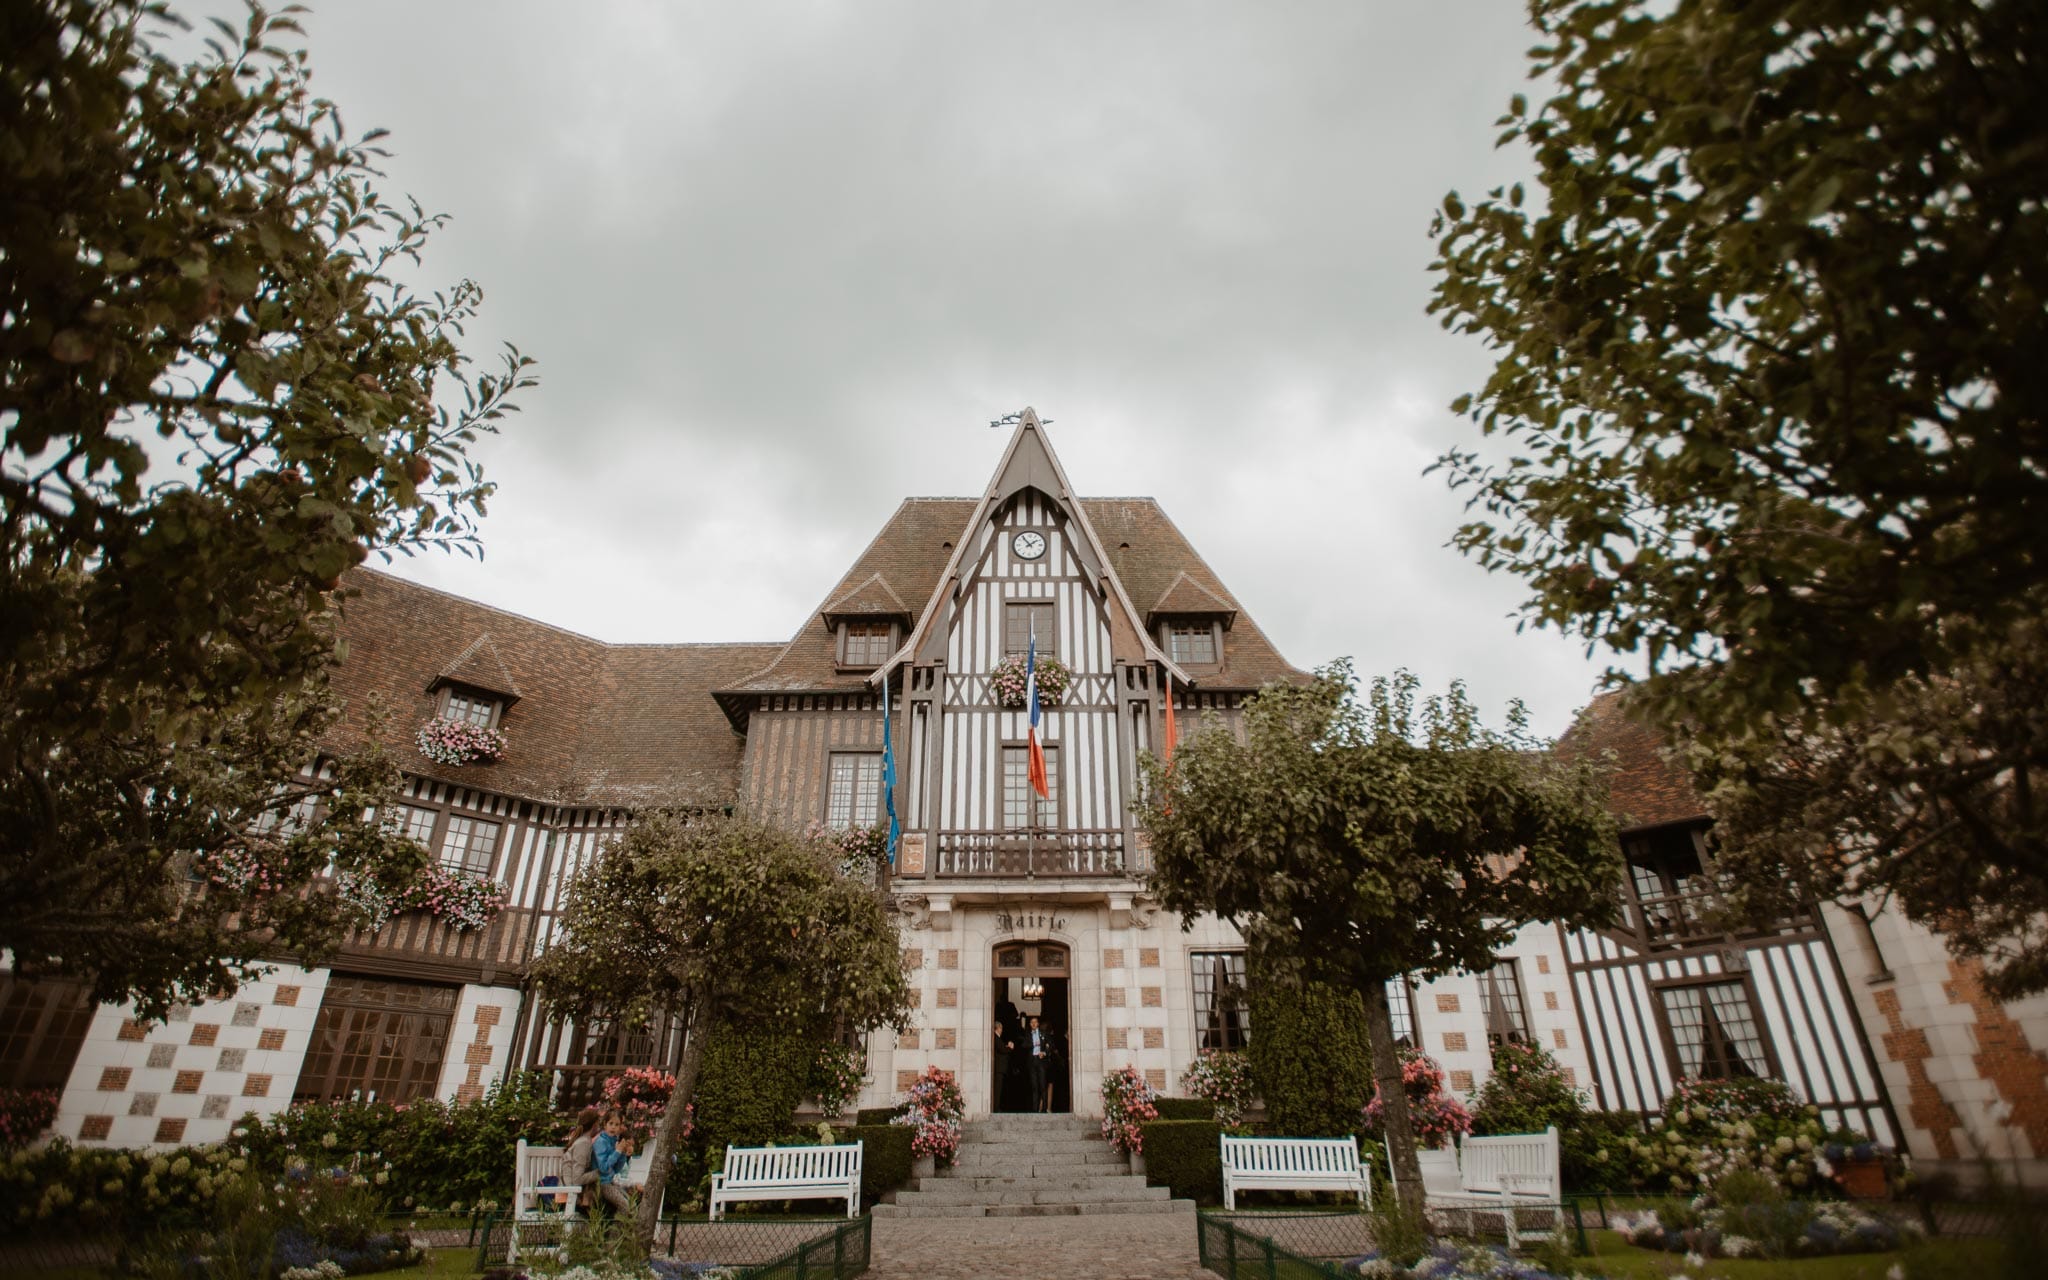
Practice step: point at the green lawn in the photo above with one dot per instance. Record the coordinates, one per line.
(440, 1262)
(1615, 1259)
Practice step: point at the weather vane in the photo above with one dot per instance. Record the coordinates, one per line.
(1012, 419)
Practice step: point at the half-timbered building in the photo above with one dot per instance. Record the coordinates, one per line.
(1003, 900)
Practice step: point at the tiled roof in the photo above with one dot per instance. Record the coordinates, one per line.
(1149, 553)
(1146, 550)
(1646, 789)
(596, 724)
(602, 724)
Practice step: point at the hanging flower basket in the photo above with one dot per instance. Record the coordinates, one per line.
(1007, 681)
(457, 742)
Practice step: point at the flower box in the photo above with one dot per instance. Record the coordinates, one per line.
(1006, 681)
(1864, 1178)
(457, 742)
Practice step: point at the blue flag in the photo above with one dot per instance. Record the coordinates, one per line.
(889, 775)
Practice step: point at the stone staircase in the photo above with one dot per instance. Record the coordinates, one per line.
(1022, 1166)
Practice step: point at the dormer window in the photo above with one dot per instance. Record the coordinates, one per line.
(866, 644)
(1191, 643)
(467, 706)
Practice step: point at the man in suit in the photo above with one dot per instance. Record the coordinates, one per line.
(1038, 1044)
(1005, 1045)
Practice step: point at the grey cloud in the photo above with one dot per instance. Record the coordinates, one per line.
(781, 261)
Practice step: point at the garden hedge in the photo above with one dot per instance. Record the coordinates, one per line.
(885, 1161)
(876, 1115)
(1185, 1155)
(754, 1077)
(1185, 1108)
(1310, 1058)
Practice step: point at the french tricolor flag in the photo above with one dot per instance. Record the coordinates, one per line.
(1036, 749)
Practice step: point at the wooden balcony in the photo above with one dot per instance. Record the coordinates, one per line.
(1019, 854)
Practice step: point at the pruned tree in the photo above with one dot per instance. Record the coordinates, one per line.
(1354, 843)
(215, 397)
(719, 919)
(1766, 341)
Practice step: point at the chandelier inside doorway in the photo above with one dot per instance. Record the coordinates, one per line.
(1033, 989)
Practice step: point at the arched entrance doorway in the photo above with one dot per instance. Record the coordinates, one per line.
(1031, 981)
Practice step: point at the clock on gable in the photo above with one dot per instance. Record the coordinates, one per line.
(1028, 545)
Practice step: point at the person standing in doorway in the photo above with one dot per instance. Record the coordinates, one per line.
(1005, 1044)
(1038, 1045)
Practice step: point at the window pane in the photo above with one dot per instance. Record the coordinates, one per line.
(1220, 1018)
(373, 1036)
(867, 644)
(1713, 1028)
(853, 796)
(1500, 1002)
(470, 844)
(1401, 1006)
(466, 709)
(1018, 795)
(417, 823)
(1022, 621)
(1191, 642)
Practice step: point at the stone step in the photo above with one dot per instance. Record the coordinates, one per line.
(1080, 1180)
(1037, 1147)
(1052, 1167)
(1032, 1210)
(988, 1164)
(1029, 1193)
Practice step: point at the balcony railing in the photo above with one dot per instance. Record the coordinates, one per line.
(1084, 852)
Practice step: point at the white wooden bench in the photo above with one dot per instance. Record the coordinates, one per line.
(789, 1173)
(1293, 1164)
(534, 1199)
(1507, 1173)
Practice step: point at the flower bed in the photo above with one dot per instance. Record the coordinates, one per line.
(1711, 1128)
(1772, 1229)
(1447, 1261)
(457, 742)
(1225, 1080)
(1006, 681)
(934, 1110)
(1127, 1103)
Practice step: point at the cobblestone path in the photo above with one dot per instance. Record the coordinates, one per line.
(1100, 1246)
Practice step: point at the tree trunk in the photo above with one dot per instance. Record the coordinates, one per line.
(679, 1100)
(1386, 1070)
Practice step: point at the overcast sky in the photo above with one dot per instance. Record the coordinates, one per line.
(782, 263)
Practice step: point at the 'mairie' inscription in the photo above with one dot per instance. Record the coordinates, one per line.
(1018, 918)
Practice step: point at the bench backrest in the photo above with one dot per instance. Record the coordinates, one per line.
(1531, 1156)
(532, 1163)
(1290, 1156)
(774, 1166)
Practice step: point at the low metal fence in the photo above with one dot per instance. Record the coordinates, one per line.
(809, 1247)
(842, 1252)
(1279, 1246)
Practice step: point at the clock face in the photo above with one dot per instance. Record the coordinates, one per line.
(1028, 545)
